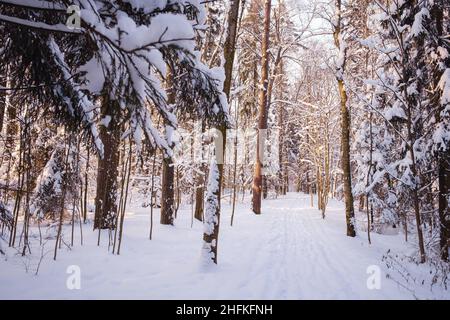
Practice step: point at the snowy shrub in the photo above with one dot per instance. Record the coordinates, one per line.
(58, 179)
(6, 217)
(408, 273)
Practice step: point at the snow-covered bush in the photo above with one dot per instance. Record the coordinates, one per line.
(58, 183)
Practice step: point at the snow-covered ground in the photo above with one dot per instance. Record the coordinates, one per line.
(288, 252)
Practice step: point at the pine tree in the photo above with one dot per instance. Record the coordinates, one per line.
(263, 113)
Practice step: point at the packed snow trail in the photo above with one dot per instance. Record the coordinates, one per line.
(299, 255)
(287, 252)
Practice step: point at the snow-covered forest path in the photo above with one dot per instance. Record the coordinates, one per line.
(288, 252)
(295, 254)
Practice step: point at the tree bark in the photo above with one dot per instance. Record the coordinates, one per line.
(444, 205)
(12, 131)
(233, 207)
(212, 214)
(281, 184)
(168, 170)
(2, 104)
(107, 172)
(263, 112)
(414, 172)
(345, 130)
(443, 160)
(167, 191)
(345, 141)
(199, 197)
(228, 53)
(230, 46)
(200, 183)
(281, 170)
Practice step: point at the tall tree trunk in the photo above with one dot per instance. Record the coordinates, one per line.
(281, 147)
(345, 126)
(107, 172)
(228, 53)
(415, 189)
(345, 145)
(152, 193)
(212, 215)
(168, 170)
(416, 204)
(199, 195)
(443, 158)
(286, 178)
(2, 103)
(345, 140)
(178, 190)
(86, 186)
(444, 205)
(12, 131)
(281, 171)
(233, 207)
(263, 112)
(200, 181)
(327, 178)
(230, 46)
(167, 191)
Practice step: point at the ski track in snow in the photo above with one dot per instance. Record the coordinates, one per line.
(287, 252)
